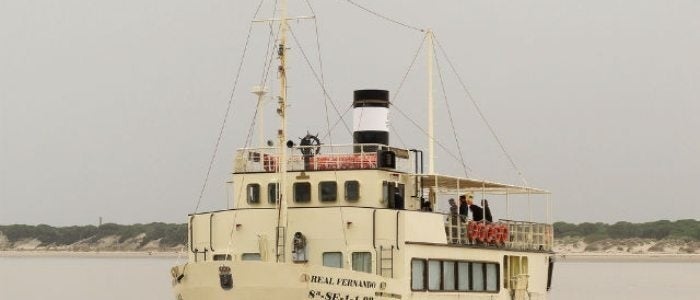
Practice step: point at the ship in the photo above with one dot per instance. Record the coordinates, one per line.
(360, 221)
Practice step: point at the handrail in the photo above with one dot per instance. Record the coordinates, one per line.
(211, 220)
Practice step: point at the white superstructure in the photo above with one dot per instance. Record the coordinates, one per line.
(358, 222)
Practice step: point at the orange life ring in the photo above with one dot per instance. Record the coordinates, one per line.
(269, 163)
(505, 234)
(483, 232)
(493, 234)
(472, 230)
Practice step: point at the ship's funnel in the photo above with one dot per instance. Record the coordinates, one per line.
(370, 118)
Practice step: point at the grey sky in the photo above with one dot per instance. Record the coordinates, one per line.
(112, 108)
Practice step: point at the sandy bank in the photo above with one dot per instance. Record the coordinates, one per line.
(101, 254)
(603, 258)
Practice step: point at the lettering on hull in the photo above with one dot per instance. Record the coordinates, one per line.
(346, 282)
(314, 294)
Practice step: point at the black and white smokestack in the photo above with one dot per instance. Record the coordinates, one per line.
(370, 118)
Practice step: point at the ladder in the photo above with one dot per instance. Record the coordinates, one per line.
(386, 261)
(281, 243)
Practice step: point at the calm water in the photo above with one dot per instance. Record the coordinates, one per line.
(32, 278)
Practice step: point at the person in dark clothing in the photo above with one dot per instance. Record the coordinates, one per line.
(398, 201)
(425, 205)
(477, 212)
(463, 207)
(487, 210)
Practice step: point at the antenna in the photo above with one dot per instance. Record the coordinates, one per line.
(431, 103)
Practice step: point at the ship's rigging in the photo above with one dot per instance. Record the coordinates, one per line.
(279, 27)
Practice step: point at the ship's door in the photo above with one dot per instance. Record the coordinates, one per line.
(394, 194)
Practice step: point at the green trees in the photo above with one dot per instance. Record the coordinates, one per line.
(681, 229)
(169, 234)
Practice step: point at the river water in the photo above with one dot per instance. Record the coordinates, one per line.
(70, 278)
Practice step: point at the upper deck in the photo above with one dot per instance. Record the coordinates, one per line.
(326, 158)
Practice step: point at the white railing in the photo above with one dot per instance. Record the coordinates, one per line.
(321, 158)
(519, 235)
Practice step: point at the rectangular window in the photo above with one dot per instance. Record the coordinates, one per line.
(333, 259)
(491, 277)
(222, 256)
(434, 274)
(362, 262)
(253, 193)
(387, 189)
(328, 190)
(448, 275)
(250, 256)
(418, 274)
(478, 277)
(463, 276)
(302, 192)
(352, 190)
(272, 192)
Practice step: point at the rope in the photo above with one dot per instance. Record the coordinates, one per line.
(325, 106)
(449, 113)
(384, 17)
(270, 48)
(410, 68)
(481, 114)
(442, 146)
(228, 110)
(320, 67)
(318, 79)
(337, 121)
(398, 136)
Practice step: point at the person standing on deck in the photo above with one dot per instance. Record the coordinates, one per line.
(463, 208)
(477, 212)
(487, 210)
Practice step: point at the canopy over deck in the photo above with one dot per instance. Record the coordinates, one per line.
(459, 184)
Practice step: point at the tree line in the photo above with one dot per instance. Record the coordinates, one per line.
(663, 229)
(169, 234)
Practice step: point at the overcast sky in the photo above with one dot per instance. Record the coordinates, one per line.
(112, 108)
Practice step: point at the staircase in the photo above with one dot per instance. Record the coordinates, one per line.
(386, 261)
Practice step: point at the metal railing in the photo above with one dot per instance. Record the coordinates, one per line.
(321, 158)
(509, 234)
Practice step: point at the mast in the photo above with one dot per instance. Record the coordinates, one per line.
(282, 135)
(431, 103)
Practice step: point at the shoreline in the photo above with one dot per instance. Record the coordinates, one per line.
(91, 254)
(614, 257)
(560, 257)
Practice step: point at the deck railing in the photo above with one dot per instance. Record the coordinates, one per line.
(323, 158)
(509, 234)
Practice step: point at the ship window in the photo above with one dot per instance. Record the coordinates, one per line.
(333, 259)
(253, 193)
(222, 256)
(362, 262)
(491, 277)
(250, 256)
(272, 192)
(463, 276)
(352, 190)
(328, 190)
(448, 275)
(386, 191)
(418, 274)
(434, 272)
(302, 192)
(478, 277)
